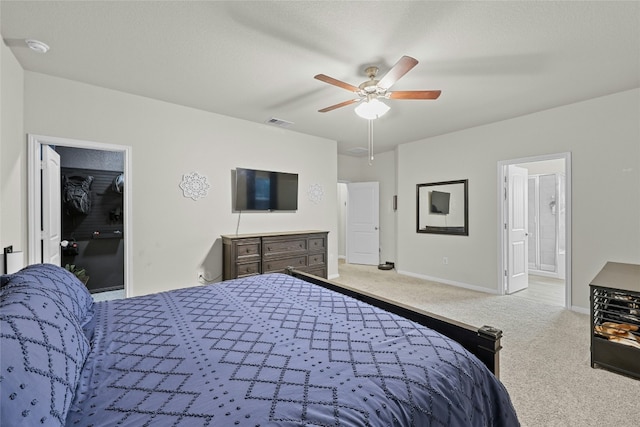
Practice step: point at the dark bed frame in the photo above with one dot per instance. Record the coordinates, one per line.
(483, 342)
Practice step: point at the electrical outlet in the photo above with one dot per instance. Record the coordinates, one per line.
(445, 260)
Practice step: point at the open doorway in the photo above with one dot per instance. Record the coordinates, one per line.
(94, 231)
(103, 233)
(543, 259)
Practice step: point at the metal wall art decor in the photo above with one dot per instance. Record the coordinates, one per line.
(194, 185)
(315, 193)
(442, 207)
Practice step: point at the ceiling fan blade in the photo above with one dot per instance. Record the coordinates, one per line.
(402, 67)
(414, 94)
(336, 82)
(342, 104)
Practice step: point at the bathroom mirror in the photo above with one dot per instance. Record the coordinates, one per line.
(442, 207)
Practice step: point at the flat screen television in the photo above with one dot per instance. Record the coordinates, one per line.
(440, 202)
(258, 190)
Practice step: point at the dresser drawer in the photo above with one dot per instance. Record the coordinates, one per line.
(317, 244)
(275, 248)
(248, 249)
(316, 259)
(279, 265)
(248, 269)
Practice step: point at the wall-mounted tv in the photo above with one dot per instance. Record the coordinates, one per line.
(260, 190)
(440, 202)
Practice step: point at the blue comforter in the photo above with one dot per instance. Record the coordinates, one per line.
(273, 350)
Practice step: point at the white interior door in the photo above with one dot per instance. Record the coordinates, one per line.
(51, 206)
(517, 223)
(363, 234)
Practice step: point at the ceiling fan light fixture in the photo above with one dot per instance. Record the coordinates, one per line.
(372, 109)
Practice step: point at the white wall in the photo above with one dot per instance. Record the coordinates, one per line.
(603, 135)
(350, 168)
(174, 236)
(13, 151)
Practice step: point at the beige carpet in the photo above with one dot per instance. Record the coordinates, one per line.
(545, 361)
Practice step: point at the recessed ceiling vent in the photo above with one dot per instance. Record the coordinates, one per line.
(279, 122)
(357, 151)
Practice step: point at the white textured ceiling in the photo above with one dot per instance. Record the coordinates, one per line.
(256, 60)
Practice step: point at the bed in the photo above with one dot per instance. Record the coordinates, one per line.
(266, 350)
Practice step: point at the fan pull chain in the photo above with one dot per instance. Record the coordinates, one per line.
(370, 126)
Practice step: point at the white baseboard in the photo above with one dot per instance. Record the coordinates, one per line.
(450, 282)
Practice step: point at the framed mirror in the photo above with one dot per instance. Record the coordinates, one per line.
(442, 207)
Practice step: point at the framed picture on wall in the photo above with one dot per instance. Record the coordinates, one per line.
(442, 207)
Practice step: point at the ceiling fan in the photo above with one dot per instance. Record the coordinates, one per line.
(370, 92)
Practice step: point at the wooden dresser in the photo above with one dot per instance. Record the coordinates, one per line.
(249, 254)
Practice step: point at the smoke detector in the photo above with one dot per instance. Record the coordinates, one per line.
(37, 46)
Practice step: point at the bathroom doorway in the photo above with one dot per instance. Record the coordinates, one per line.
(547, 205)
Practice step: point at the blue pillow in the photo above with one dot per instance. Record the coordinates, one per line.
(43, 351)
(60, 283)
